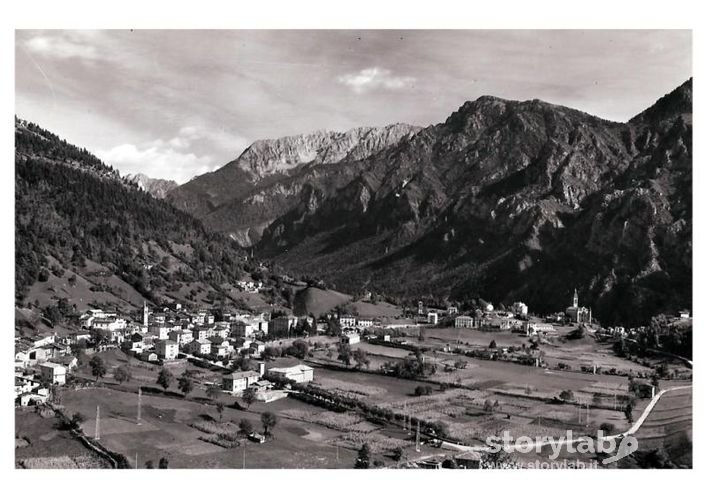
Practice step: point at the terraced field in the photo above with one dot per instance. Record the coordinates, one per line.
(670, 426)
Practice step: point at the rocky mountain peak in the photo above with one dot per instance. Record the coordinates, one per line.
(157, 187)
(273, 156)
(677, 103)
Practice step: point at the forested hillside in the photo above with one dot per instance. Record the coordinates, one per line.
(77, 219)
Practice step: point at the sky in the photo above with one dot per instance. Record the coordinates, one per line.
(178, 103)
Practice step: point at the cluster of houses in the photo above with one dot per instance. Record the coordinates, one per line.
(516, 318)
(39, 362)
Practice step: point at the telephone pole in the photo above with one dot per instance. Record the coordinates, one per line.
(139, 406)
(97, 422)
(418, 428)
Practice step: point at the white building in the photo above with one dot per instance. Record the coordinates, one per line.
(54, 373)
(167, 349)
(520, 309)
(347, 321)
(465, 321)
(364, 323)
(350, 338)
(238, 382)
(299, 373)
(432, 318)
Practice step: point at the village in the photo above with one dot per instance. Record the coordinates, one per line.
(407, 388)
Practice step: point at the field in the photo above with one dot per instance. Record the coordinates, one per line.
(521, 397)
(670, 427)
(557, 348)
(166, 431)
(39, 443)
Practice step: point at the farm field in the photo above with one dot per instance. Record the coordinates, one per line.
(40, 444)
(669, 426)
(166, 432)
(558, 349)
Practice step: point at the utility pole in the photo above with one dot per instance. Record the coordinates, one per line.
(97, 422)
(243, 456)
(418, 428)
(136, 462)
(139, 406)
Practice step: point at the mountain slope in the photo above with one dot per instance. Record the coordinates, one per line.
(84, 234)
(506, 200)
(157, 187)
(246, 195)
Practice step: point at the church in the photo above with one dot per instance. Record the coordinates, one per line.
(576, 313)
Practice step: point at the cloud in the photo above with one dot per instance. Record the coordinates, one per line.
(373, 78)
(176, 158)
(65, 45)
(158, 159)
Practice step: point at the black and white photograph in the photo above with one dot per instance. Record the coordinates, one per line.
(352, 249)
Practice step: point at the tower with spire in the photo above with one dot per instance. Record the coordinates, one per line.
(145, 315)
(575, 297)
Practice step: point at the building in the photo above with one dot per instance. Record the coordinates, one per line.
(54, 373)
(520, 309)
(149, 356)
(533, 328)
(465, 321)
(238, 382)
(452, 310)
(145, 315)
(181, 336)
(110, 323)
(432, 318)
(576, 313)
(199, 347)
(347, 321)
(159, 331)
(364, 323)
(298, 373)
(350, 338)
(242, 329)
(282, 325)
(167, 349)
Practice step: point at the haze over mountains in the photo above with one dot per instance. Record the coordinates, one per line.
(505, 200)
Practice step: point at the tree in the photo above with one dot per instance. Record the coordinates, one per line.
(298, 349)
(344, 354)
(246, 426)
(76, 420)
(567, 395)
(360, 358)
(269, 421)
(149, 465)
(493, 344)
(97, 367)
(248, 396)
(607, 427)
(489, 407)
(628, 412)
(398, 454)
(220, 407)
(165, 378)
(363, 457)
(163, 463)
(122, 374)
(421, 390)
(185, 384)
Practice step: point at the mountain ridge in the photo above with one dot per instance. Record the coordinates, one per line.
(493, 201)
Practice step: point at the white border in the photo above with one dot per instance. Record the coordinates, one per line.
(339, 15)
